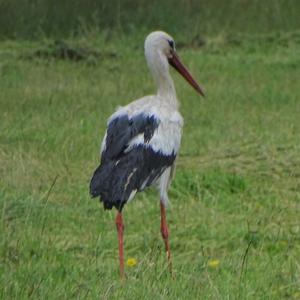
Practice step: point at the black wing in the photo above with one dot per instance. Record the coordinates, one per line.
(123, 129)
(121, 172)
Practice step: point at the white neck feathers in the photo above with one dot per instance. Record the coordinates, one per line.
(159, 67)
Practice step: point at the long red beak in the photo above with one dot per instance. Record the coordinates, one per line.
(175, 62)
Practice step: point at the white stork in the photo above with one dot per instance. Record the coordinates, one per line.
(142, 140)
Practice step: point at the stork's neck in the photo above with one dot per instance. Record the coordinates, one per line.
(159, 68)
(165, 87)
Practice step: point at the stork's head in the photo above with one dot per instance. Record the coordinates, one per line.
(160, 53)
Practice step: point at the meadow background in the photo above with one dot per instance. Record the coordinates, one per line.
(234, 218)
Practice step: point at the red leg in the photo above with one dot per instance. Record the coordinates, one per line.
(165, 234)
(120, 228)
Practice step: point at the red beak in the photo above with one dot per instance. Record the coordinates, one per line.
(175, 62)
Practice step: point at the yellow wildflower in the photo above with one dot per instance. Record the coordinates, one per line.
(213, 263)
(131, 262)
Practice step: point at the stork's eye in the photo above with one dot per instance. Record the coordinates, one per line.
(171, 43)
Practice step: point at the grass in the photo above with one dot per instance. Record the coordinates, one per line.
(235, 197)
(35, 19)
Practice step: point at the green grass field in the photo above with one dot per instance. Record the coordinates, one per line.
(32, 19)
(235, 198)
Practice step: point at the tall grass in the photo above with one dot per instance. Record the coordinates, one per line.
(28, 19)
(235, 197)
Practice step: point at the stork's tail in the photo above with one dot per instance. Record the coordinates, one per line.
(106, 183)
(100, 184)
(95, 184)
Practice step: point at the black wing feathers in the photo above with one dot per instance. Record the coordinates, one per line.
(120, 173)
(122, 129)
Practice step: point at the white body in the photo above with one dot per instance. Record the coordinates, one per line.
(166, 139)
